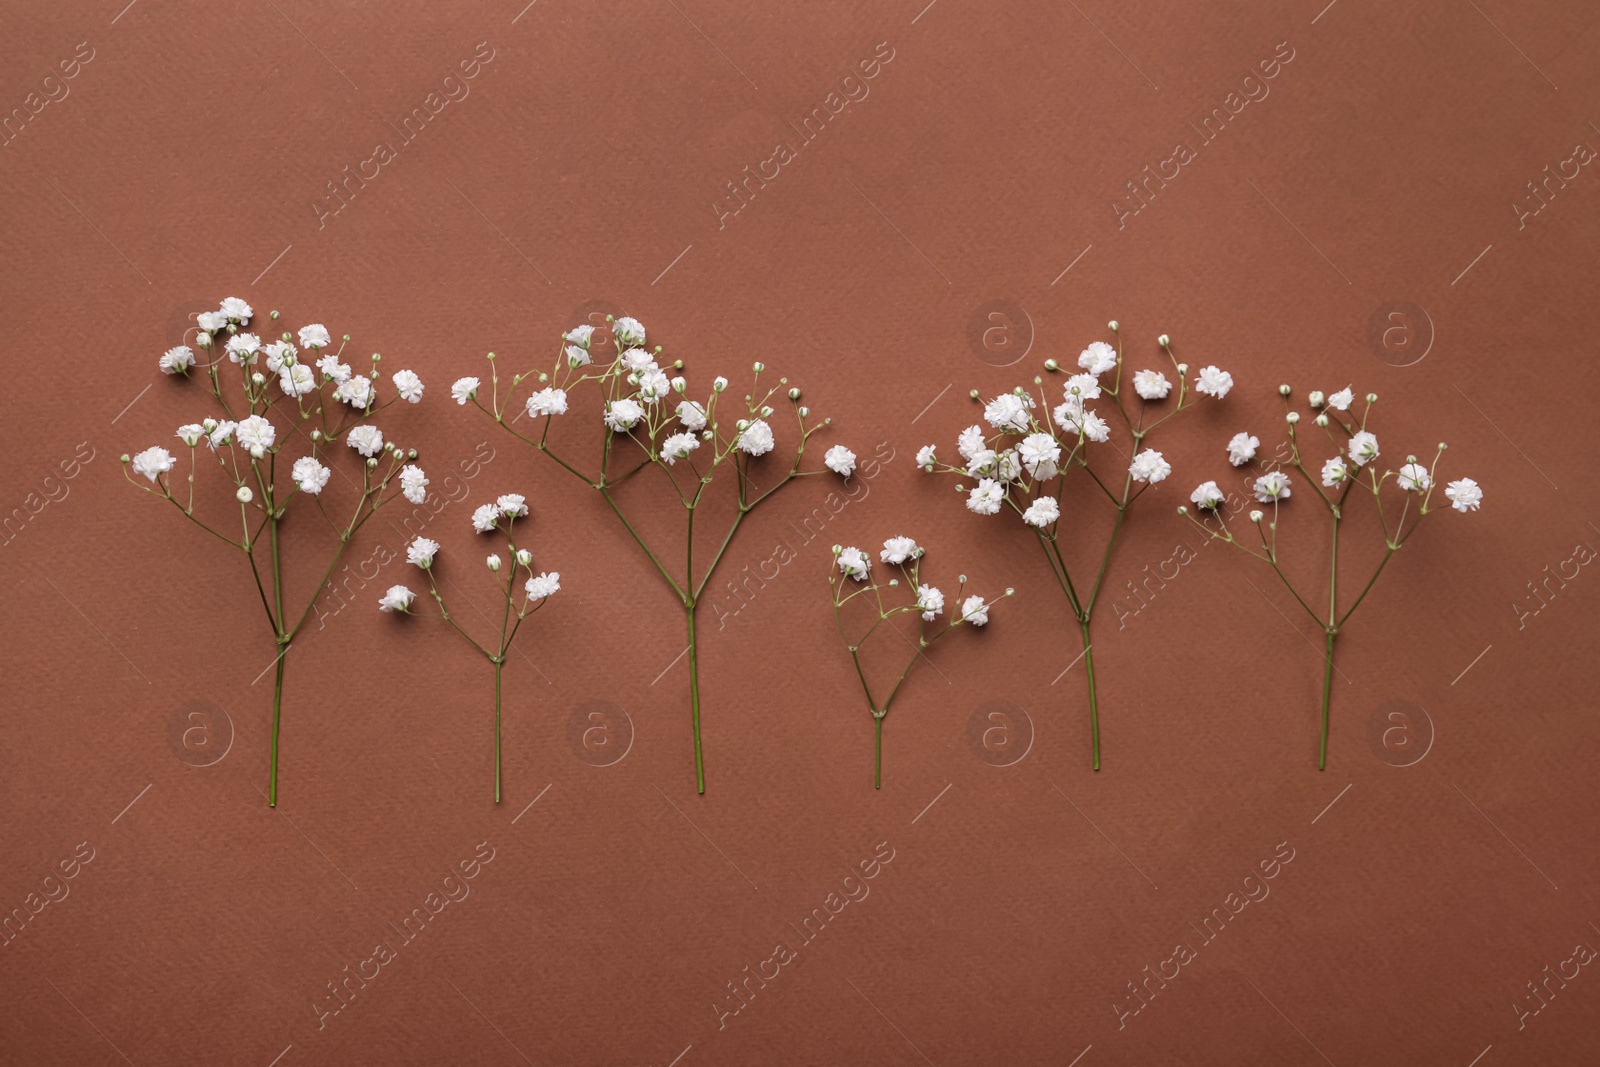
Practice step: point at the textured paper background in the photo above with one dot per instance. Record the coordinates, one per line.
(581, 171)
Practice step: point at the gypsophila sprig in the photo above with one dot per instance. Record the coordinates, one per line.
(852, 576)
(521, 600)
(1352, 468)
(1022, 461)
(642, 406)
(275, 437)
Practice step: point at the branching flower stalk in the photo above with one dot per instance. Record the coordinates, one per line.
(1350, 469)
(536, 590)
(644, 430)
(927, 603)
(322, 401)
(1025, 462)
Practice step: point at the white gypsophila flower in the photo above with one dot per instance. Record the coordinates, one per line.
(971, 442)
(543, 585)
(222, 434)
(1149, 466)
(1271, 486)
(756, 440)
(1008, 411)
(297, 380)
(279, 355)
(577, 357)
(1040, 455)
(854, 563)
(335, 371)
(679, 383)
(355, 391)
(1341, 400)
(1213, 382)
(464, 389)
(983, 461)
(1242, 448)
(1413, 478)
(190, 433)
(492, 561)
(314, 336)
(1042, 512)
(211, 321)
(628, 331)
(678, 446)
(236, 309)
(245, 494)
(986, 497)
(975, 610)
(653, 385)
(637, 359)
(548, 401)
(310, 475)
(413, 483)
(930, 601)
(1151, 385)
(1464, 494)
(524, 558)
(579, 335)
(421, 552)
(177, 360)
(840, 460)
(243, 347)
(1206, 495)
(157, 460)
(1098, 358)
(926, 458)
(513, 505)
(408, 385)
(1072, 418)
(718, 384)
(398, 598)
(1082, 387)
(623, 414)
(1095, 428)
(1008, 466)
(899, 550)
(485, 517)
(256, 432)
(692, 415)
(1363, 448)
(365, 439)
(1334, 472)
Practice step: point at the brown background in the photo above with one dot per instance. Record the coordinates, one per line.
(182, 168)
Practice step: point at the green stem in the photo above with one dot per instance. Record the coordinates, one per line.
(1094, 707)
(1327, 686)
(877, 774)
(499, 665)
(694, 703)
(277, 707)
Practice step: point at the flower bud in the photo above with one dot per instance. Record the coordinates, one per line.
(126, 458)
(973, 394)
(1292, 418)
(258, 378)
(1316, 398)
(1284, 390)
(209, 424)
(372, 464)
(1112, 325)
(411, 453)
(794, 394)
(1163, 340)
(766, 412)
(1051, 365)
(1372, 398)
(244, 495)
(493, 561)
(203, 340)
(679, 384)
(258, 452)
(758, 366)
(1257, 515)
(524, 557)
(719, 384)
(316, 435)
(804, 411)
(274, 317)
(1322, 420)
(1183, 368)
(1182, 510)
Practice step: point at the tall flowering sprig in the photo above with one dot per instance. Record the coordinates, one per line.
(538, 587)
(1352, 466)
(1024, 461)
(689, 443)
(302, 403)
(926, 602)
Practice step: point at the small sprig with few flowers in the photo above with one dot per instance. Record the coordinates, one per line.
(1352, 466)
(689, 443)
(926, 602)
(318, 401)
(535, 590)
(1024, 461)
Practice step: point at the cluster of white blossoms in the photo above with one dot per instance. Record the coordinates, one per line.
(1023, 451)
(500, 515)
(904, 552)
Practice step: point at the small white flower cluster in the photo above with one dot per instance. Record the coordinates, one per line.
(1014, 471)
(500, 515)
